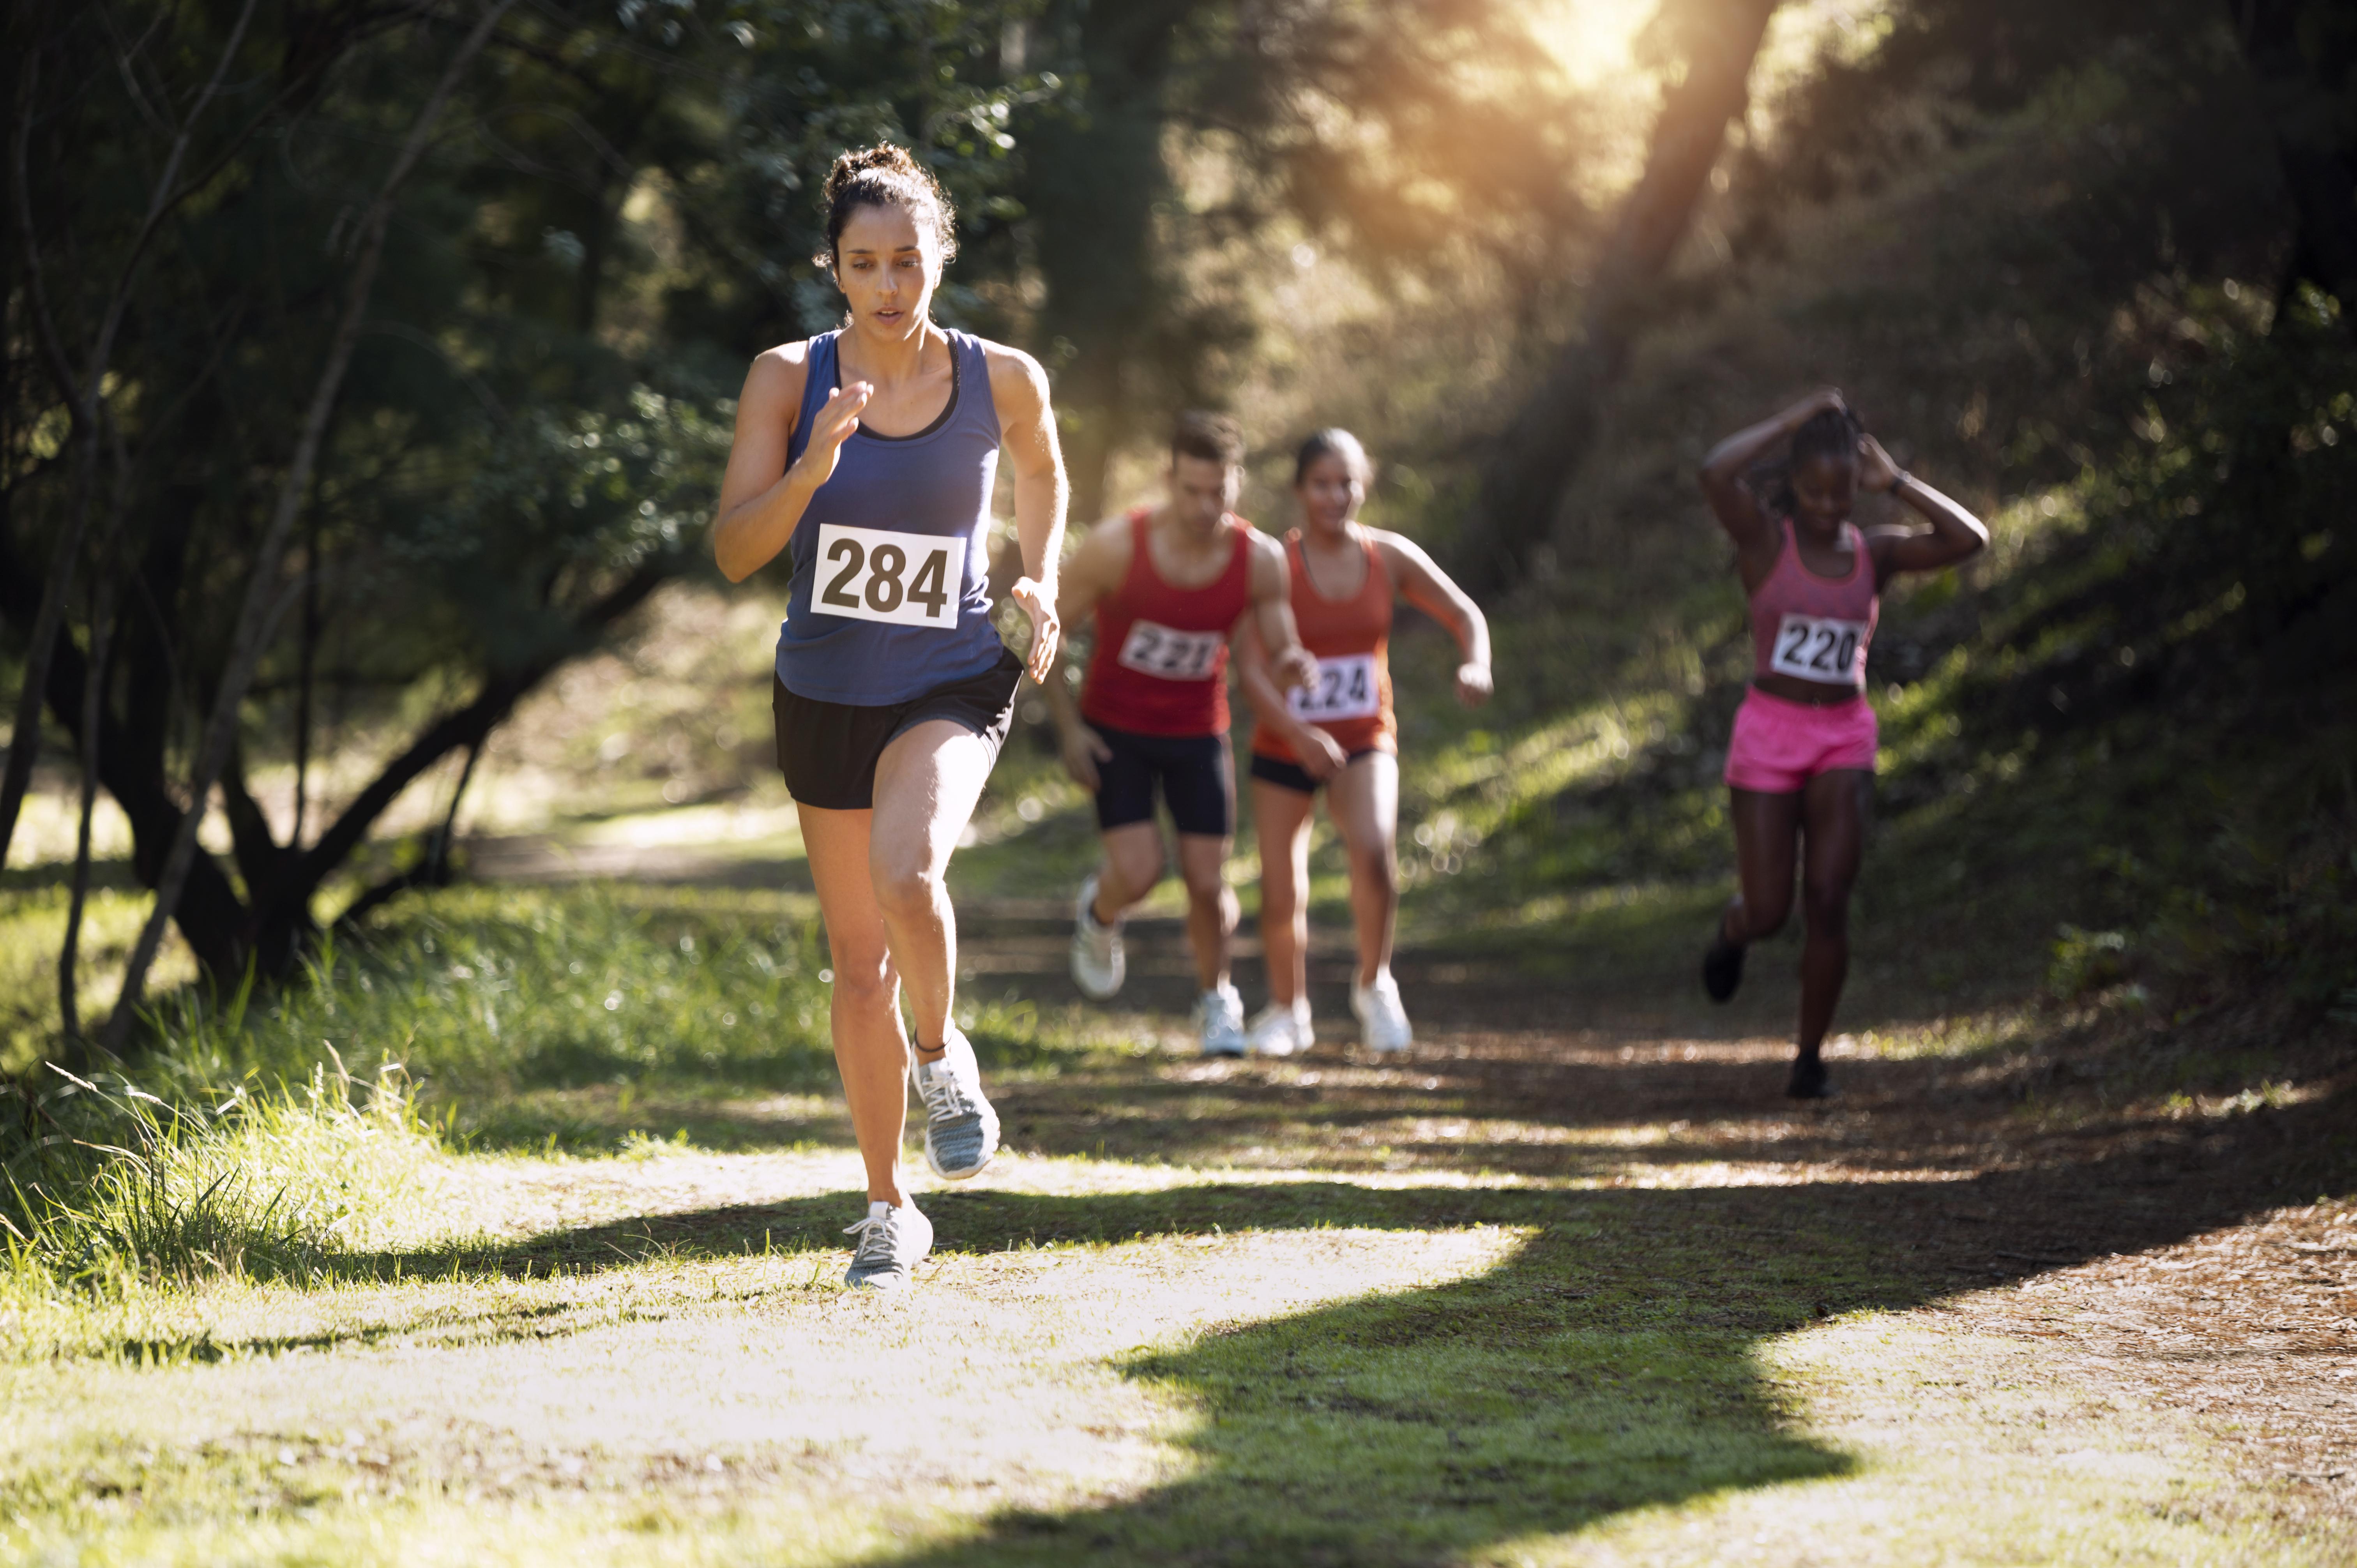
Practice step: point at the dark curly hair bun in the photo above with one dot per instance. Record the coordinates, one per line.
(887, 175)
(1828, 433)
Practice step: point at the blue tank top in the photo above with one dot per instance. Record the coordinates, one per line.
(890, 596)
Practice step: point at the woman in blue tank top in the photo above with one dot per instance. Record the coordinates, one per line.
(868, 455)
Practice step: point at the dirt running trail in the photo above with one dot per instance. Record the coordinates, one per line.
(2175, 1254)
(2175, 1257)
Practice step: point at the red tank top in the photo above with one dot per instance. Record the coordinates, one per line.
(1812, 628)
(1160, 665)
(1352, 637)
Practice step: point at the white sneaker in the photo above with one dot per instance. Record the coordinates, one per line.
(1278, 1030)
(892, 1241)
(1098, 966)
(960, 1128)
(1382, 1022)
(1220, 1015)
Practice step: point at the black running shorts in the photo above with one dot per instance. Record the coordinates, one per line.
(1293, 776)
(828, 750)
(1196, 776)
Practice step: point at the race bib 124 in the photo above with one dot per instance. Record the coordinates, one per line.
(1345, 689)
(901, 579)
(1157, 651)
(1818, 648)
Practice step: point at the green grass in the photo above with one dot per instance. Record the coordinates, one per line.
(1473, 1309)
(1289, 1371)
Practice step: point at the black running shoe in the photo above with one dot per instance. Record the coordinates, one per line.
(1808, 1081)
(1722, 968)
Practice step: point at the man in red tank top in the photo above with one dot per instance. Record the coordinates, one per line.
(1169, 588)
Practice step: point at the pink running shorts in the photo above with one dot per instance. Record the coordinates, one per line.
(1779, 744)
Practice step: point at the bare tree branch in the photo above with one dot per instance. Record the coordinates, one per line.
(25, 740)
(220, 726)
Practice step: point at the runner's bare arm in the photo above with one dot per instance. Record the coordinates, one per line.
(1738, 509)
(1423, 584)
(1028, 435)
(1095, 569)
(1955, 534)
(1319, 753)
(1271, 611)
(761, 500)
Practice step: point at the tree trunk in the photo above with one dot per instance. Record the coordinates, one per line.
(83, 395)
(254, 616)
(1551, 435)
(2304, 54)
(1089, 185)
(93, 701)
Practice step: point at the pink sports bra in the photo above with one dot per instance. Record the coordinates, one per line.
(1812, 628)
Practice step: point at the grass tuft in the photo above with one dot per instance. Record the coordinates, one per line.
(109, 1186)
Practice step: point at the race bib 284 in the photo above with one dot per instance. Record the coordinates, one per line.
(900, 579)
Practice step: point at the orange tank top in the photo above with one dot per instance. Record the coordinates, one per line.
(1350, 638)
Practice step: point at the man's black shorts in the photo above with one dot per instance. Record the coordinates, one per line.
(828, 750)
(1196, 776)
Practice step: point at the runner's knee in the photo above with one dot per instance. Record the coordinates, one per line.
(1827, 910)
(1204, 882)
(867, 982)
(1278, 899)
(1376, 868)
(1763, 918)
(1136, 867)
(907, 891)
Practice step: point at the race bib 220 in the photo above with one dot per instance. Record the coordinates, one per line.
(900, 579)
(1818, 648)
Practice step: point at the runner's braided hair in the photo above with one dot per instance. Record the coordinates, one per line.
(887, 175)
(1333, 442)
(1828, 433)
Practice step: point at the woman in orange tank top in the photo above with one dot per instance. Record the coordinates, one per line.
(1339, 734)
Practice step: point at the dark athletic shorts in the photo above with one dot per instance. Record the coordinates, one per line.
(1293, 776)
(828, 750)
(1197, 775)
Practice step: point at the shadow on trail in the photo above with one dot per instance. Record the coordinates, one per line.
(1609, 1364)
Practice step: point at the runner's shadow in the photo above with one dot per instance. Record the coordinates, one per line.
(1416, 1428)
(1611, 1361)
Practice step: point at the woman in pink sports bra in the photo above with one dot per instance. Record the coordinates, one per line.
(1800, 766)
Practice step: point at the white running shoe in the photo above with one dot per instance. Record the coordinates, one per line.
(1220, 1015)
(1382, 1022)
(892, 1242)
(1098, 966)
(961, 1129)
(1278, 1030)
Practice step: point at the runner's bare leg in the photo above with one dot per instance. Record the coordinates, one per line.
(863, 1005)
(927, 782)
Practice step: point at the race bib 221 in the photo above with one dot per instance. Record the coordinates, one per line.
(1169, 655)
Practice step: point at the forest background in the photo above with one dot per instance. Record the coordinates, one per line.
(368, 374)
(368, 371)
